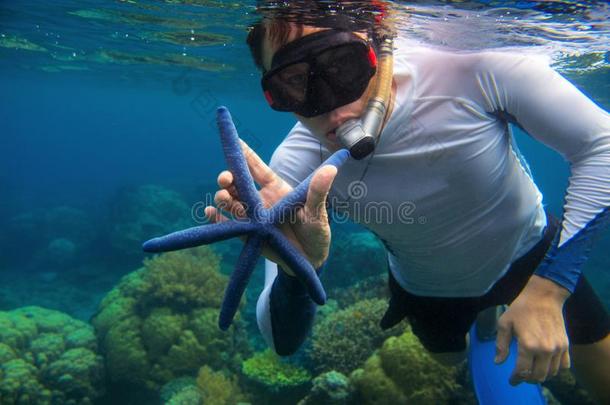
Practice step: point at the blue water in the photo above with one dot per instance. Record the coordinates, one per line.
(95, 104)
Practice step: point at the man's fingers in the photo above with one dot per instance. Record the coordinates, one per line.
(540, 367)
(565, 360)
(555, 364)
(214, 215)
(261, 173)
(503, 338)
(524, 367)
(225, 181)
(319, 187)
(226, 202)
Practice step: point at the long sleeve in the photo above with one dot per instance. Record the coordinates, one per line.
(552, 110)
(284, 311)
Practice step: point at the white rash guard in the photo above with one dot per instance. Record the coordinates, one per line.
(446, 189)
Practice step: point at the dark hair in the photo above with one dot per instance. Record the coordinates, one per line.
(276, 20)
(277, 31)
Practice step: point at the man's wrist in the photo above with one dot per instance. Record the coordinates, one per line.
(545, 287)
(290, 282)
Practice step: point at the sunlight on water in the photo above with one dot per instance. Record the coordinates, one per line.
(209, 35)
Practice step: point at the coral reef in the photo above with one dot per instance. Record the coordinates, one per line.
(567, 390)
(355, 254)
(273, 379)
(76, 292)
(218, 389)
(372, 287)
(181, 391)
(330, 388)
(47, 239)
(209, 388)
(403, 372)
(141, 213)
(46, 357)
(270, 370)
(160, 322)
(343, 340)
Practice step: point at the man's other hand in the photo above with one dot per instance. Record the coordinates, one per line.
(535, 319)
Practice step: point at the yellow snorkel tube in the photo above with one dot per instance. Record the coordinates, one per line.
(360, 135)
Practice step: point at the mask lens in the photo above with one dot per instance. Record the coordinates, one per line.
(288, 86)
(330, 76)
(344, 66)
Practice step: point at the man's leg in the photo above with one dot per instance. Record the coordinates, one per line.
(591, 364)
(588, 325)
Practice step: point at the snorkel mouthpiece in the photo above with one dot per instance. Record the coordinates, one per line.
(354, 138)
(359, 136)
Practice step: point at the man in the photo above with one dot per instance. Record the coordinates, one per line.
(446, 149)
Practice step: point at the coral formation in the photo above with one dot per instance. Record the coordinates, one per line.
(57, 236)
(209, 388)
(181, 391)
(61, 251)
(46, 357)
(274, 380)
(270, 370)
(567, 390)
(403, 372)
(343, 340)
(144, 212)
(330, 388)
(218, 389)
(346, 244)
(160, 322)
(372, 287)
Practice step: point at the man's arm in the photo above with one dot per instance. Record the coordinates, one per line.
(552, 110)
(556, 113)
(284, 311)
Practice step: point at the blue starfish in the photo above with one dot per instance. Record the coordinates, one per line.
(260, 226)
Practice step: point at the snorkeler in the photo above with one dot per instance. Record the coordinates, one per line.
(445, 146)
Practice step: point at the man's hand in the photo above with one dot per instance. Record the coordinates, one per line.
(309, 231)
(535, 318)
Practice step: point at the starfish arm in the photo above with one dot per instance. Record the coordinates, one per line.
(239, 280)
(198, 235)
(236, 162)
(301, 267)
(281, 211)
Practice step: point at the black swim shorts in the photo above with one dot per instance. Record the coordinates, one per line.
(441, 323)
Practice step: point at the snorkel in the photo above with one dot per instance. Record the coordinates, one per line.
(360, 135)
(374, 17)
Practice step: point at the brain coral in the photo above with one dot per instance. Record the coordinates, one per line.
(160, 322)
(47, 357)
(402, 372)
(344, 339)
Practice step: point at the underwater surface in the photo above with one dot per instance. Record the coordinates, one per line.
(108, 137)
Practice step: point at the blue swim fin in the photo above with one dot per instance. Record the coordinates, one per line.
(491, 381)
